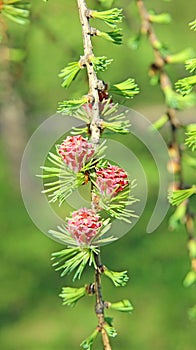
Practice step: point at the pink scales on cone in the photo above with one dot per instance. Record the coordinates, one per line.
(75, 151)
(84, 225)
(111, 180)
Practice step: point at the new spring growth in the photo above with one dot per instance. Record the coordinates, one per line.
(115, 36)
(176, 220)
(68, 107)
(190, 65)
(74, 259)
(110, 17)
(111, 119)
(162, 18)
(176, 101)
(69, 73)
(127, 88)
(181, 56)
(16, 10)
(88, 342)
(190, 278)
(109, 182)
(108, 326)
(191, 136)
(71, 295)
(112, 189)
(192, 25)
(119, 279)
(179, 196)
(185, 85)
(100, 63)
(123, 306)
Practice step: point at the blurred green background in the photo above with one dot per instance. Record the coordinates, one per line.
(31, 314)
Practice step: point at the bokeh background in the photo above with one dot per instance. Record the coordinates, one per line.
(31, 314)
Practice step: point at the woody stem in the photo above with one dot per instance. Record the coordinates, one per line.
(95, 137)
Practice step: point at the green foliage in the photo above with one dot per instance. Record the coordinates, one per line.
(185, 85)
(190, 279)
(116, 206)
(176, 220)
(181, 56)
(191, 136)
(114, 120)
(120, 126)
(163, 18)
(127, 88)
(88, 342)
(71, 259)
(123, 306)
(114, 36)
(71, 295)
(16, 11)
(159, 123)
(101, 63)
(111, 119)
(69, 73)
(192, 25)
(110, 330)
(179, 196)
(178, 102)
(110, 17)
(119, 279)
(67, 180)
(69, 107)
(191, 65)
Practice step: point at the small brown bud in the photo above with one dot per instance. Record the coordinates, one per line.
(90, 289)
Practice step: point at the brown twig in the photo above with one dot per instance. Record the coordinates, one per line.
(92, 76)
(99, 307)
(158, 67)
(95, 136)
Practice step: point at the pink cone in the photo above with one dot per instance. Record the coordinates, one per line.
(76, 151)
(111, 180)
(84, 225)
